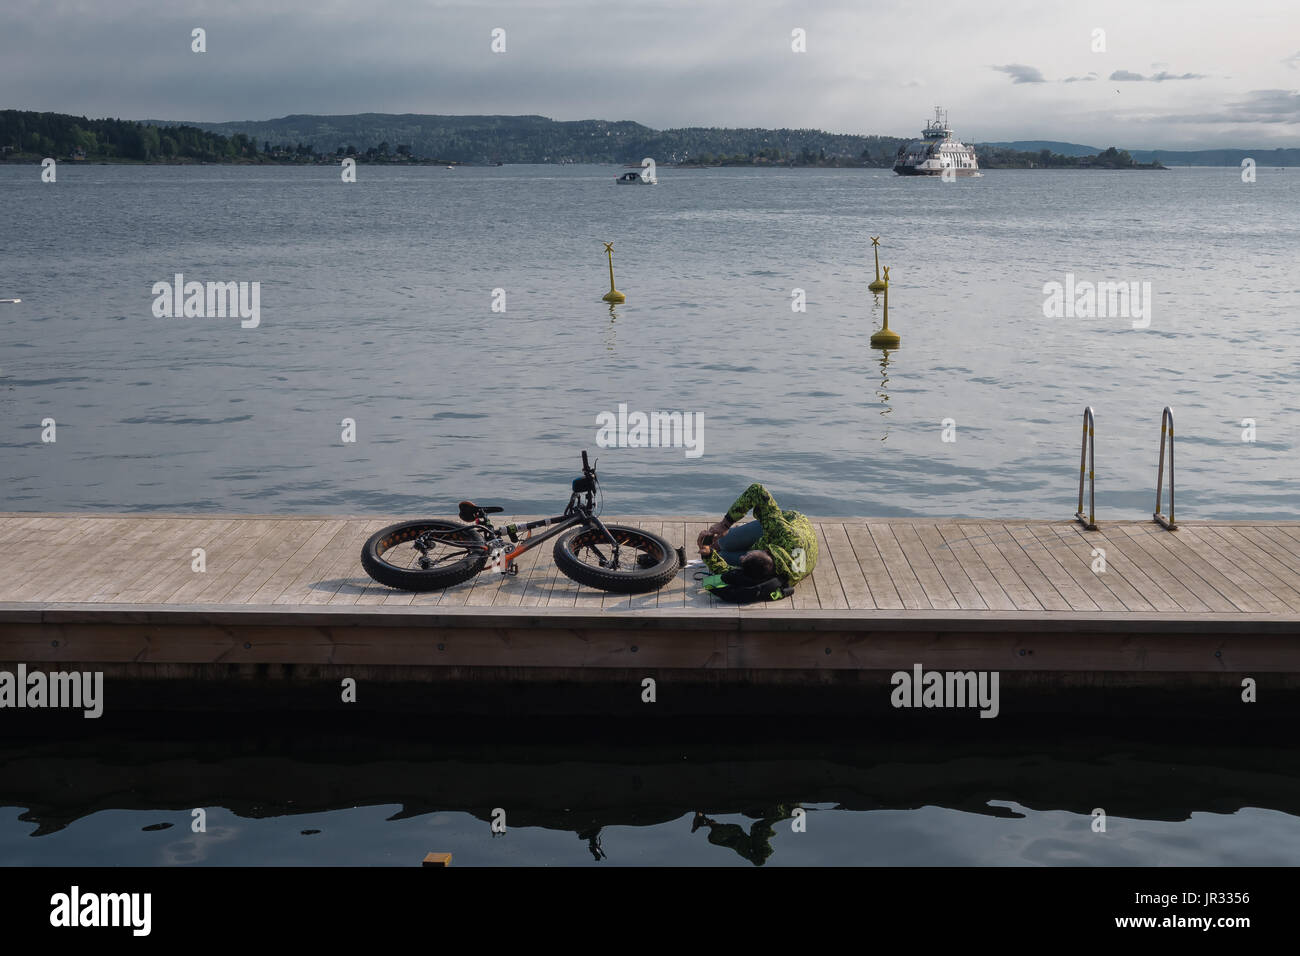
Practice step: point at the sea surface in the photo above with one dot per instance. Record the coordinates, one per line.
(376, 305)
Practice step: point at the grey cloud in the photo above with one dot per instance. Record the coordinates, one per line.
(1020, 73)
(1292, 60)
(1130, 76)
(1260, 106)
(1080, 79)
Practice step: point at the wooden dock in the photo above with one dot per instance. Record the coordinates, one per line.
(284, 601)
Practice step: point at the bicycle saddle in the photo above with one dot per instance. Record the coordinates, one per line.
(472, 512)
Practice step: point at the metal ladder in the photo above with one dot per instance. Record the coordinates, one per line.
(1087, 451)
(1088, 466)
(1166, 416)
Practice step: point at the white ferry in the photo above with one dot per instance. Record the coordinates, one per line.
(936, 151)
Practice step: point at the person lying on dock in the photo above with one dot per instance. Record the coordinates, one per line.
(762, 559)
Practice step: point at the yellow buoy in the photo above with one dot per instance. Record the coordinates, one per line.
(613, 295)
(879, 284)
(886, 338)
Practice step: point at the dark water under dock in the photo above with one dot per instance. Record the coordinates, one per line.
(1005, 792)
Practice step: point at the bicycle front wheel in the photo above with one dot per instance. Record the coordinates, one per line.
(452, 553)
(646, 562)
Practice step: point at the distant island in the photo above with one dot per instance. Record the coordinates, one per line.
(414, 139)
(1001, 157)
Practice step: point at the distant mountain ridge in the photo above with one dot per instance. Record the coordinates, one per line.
(538, 139)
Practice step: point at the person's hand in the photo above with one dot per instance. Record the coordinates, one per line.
(709, 536)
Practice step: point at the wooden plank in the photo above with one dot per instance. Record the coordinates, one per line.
(1251, 541)
(673, 594)
(140, 559)
(1075, 595)
(1079, 568)
(311, 573)
(1123, 559)
(1190, 538)
(954, 574)
(1292, 529)
(1184, 587)
(284, 542)
(826, 576)
(1042, 589)
(1237, 553)
(834, 543)
(309, 548)
(1074, 538)
(1191, 565)
(344, 566)
(222, 563)
(863, 547)
(1288, 548)
(216, 543)
(55, 555)
(259, 562)
(540, 583)
(1021, 596)
(896, 566)
(960, 541)
(919, 560)
(18, 528)
(69, 561)
(164, 582)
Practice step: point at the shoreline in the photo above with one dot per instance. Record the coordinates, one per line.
(26, 161)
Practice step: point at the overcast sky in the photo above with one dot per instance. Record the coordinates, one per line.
(1175, 73)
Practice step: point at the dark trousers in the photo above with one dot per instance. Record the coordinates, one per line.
(737, 542)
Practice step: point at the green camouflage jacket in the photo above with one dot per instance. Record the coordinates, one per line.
(787, 536)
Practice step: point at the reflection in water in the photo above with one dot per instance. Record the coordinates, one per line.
(754, 846)
(584, 779)
(611, 331)
(882, 392)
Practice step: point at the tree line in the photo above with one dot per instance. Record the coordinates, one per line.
(30, 136)
(374, 138)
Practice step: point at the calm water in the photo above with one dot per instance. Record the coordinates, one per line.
(1012, 795)
(376, 305)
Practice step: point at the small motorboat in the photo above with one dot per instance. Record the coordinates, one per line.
(634, 179)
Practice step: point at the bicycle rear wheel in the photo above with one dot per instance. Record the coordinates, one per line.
(646, 562)
(453, 553)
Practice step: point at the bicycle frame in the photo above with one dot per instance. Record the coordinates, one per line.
(577, 512)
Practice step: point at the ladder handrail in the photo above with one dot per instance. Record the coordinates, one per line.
(1086, 452)
(1166, 416)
